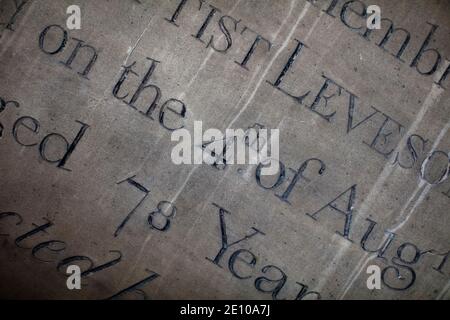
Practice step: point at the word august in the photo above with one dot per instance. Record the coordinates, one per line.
(399, 274)
(53, 42)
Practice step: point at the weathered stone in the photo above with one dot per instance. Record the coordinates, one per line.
(86, 122)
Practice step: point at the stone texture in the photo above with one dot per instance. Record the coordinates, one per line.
(87, 203)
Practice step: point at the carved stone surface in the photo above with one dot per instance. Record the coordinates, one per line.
(87, 177)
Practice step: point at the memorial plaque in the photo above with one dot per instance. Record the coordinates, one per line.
(212, 149)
